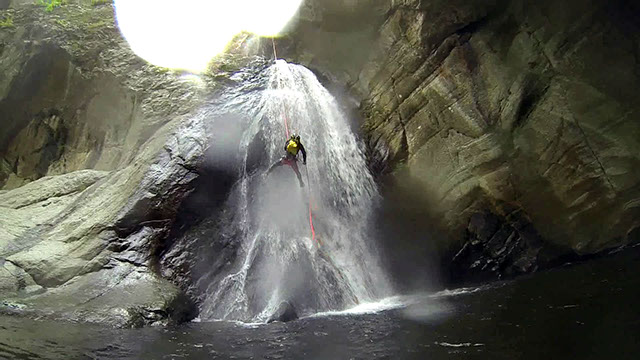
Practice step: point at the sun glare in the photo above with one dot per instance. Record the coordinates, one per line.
(189, 33)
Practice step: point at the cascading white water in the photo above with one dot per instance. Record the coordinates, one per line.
(277, 259)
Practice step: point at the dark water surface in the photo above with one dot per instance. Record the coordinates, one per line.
(584, 311)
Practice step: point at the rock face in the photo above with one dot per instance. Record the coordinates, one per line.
(286, 312)
(511, 125)
(81, 245)
(496, 247)
(71, 90)
(505, 107)
(97, 151)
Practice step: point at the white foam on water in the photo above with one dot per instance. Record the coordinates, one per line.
(390, 303)
(462, 291)
(458, 345)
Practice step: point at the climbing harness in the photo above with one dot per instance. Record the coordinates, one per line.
(286, 131)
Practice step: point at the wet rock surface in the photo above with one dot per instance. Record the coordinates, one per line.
(74, 96)
(91, 249)
(496, 247)
(491, 106)
(97, 151)
(286, 312)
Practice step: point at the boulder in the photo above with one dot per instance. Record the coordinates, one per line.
(496, 247)
(81, 245)
(286, 312)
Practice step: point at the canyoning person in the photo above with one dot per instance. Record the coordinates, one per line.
(291, 148)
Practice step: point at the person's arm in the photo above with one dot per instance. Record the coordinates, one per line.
(304, 154)
(285, 145)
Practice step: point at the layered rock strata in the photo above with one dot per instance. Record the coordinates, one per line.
(506, 107)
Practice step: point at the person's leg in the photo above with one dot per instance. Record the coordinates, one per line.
(294, 166)
(278, 163)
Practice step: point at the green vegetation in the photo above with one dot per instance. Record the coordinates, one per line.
(64, 23)
(7, 22)
(49, 5)
(99, 24)
(161, 70)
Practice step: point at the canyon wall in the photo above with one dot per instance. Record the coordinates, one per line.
(518, 116)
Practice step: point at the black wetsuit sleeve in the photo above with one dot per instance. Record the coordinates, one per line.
(285, 145)
(304, 153)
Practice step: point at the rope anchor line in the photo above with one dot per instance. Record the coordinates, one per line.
(286, 132)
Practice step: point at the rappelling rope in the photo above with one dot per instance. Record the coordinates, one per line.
(313, 231)
(275, 54)
(286, 132)
(286, 123)
(283, 110)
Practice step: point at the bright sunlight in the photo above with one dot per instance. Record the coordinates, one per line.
(189, 33)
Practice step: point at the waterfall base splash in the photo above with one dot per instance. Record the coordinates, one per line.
(262, 229)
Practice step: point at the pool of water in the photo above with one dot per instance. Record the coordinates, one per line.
(581, 311)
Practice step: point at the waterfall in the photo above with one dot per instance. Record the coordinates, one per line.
(267, 215)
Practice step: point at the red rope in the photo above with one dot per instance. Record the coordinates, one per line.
(313, 231)
(286, 123)
(286, 131)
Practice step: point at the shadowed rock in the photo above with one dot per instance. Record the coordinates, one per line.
(286, 312)
(496, 247)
